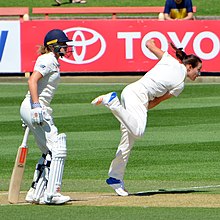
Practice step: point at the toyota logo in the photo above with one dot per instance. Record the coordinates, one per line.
(88, 45)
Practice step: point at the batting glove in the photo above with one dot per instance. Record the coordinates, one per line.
(23, 124)
(37, 114)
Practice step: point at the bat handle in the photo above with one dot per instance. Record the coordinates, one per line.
(25, 138)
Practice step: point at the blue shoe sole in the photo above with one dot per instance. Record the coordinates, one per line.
(112, 180)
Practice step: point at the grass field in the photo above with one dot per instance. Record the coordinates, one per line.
(179, 150)
(204, 8)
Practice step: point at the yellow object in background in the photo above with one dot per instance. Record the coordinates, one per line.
(178, 13)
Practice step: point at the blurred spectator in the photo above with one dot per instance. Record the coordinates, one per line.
(71, 1)
(58, 2)
(178, 10)
(79, 1)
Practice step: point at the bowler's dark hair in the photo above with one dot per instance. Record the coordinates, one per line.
(186, 59)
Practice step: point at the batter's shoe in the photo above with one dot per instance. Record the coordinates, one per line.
(30, 194)
(104, 99)
(57, 199)
(117, 185)
(30, 197)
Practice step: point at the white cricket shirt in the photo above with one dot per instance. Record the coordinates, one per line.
(167, 75)
(48, 66)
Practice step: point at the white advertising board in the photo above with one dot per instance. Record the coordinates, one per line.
(10, 48)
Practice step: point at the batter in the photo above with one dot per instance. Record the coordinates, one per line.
(37, 115)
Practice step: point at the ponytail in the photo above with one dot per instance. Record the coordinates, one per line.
(42, 49)
(180, 54)
(184, 58)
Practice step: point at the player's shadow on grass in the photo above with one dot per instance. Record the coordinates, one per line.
(164, 191)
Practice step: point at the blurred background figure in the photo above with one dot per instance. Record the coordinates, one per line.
(178, 10)
(71, 1)
(79, 1)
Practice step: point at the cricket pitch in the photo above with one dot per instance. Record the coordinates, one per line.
(155, 200)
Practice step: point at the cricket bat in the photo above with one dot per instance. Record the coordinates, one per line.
(18, 170)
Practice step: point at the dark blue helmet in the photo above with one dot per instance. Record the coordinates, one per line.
(55, 36)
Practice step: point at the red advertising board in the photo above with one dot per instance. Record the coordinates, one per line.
(119, 45)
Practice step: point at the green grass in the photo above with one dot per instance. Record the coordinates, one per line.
(180, 149)
(108, 213)
(204, 8)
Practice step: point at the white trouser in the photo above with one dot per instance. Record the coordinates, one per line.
(45, 135)
(132, 114)
(47, 138)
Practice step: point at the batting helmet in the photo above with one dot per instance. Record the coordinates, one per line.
(55, 36)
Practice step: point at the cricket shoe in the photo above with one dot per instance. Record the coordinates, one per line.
(57, 199)
(30, 195)
(105, 99)
(117, 185)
